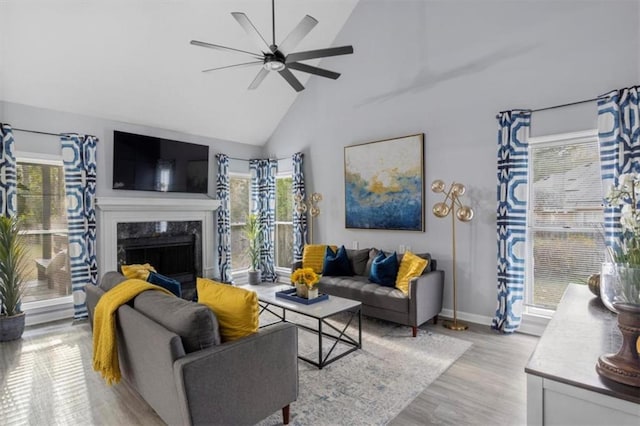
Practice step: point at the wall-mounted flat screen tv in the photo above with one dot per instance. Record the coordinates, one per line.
(145, 163)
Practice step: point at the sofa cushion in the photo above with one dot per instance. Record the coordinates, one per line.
(336, 263)
(411, 266)
(236, 308)
(165, 282)
(384, 269)
(196, 325)
(313, 256)
(359, 288)
(358, 259)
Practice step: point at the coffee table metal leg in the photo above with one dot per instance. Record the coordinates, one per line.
(320, 363)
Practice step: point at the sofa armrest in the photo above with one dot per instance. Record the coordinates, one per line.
(425, 293)
(296, 265)
(93, 293)
(243, 381)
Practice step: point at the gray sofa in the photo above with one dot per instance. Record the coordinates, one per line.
(424, 301)
(170, 353)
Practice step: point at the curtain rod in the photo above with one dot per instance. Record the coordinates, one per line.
(244, 159)
(37, 132)
(565, 105)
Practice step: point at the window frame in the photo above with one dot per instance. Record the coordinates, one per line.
(537, 313)
(282, 175)
(56, 308)
(237, 272)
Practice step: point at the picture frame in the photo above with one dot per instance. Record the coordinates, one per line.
(384, 184)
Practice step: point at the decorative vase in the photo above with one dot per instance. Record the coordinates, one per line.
(11, 328)
(302, 290)
(312, 293)
(619, 283)
(255, 277)
(594, 284)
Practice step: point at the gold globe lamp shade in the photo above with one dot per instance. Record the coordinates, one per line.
(452, 204)
(440, 210)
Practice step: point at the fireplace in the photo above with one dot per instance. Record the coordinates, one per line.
(173, 248)
(174, 235)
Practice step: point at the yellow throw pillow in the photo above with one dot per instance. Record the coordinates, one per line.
(137, 271)
(410, 267)
(236, 308)
(313, 256)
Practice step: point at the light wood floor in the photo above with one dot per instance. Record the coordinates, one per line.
(46, 378)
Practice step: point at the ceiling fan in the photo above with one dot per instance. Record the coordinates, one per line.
(279, 58)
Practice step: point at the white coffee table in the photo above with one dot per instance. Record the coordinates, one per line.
(319, 312)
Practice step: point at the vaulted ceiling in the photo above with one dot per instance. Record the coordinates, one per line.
(131, 61)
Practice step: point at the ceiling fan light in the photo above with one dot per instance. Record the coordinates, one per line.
(274, 65)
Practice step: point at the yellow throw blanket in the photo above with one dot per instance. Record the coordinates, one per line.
(105, 351)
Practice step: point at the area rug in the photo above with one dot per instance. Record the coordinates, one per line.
(373, 385)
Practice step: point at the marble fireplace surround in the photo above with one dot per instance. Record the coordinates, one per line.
(114, 210)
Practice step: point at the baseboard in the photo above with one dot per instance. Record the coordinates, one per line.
(464, 316)
(531, 324)
(48, 310)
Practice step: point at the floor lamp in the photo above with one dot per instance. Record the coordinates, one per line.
(311, 206)
(452, 205)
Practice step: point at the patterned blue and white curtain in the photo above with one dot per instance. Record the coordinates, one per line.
(619, 140)
(513, 133)
(263, 201)
(79, 158)
(8, 174)
(299, 219)
(223, 218)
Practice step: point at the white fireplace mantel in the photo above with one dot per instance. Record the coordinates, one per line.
(114, 210)
(164, 204)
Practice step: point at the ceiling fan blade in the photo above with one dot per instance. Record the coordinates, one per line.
(224, 48)
(251, 30)
(298, 33)
(313, 70)
(320, 53)
(245, 64)
(292, 80)
(256, 81)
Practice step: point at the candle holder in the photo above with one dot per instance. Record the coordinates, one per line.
(452, 205)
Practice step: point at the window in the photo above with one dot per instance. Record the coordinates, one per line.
(564, 216)
(284, 221)
(41, 206)
(239, 197)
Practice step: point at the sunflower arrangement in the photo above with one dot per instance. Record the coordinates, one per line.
(305, 276)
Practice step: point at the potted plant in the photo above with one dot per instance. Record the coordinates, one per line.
(305, 280)
(253, 234)
(13, 252)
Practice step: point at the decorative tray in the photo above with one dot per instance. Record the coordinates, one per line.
(290, 294)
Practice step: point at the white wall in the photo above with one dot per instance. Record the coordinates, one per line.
(31, 118)
(446, 69)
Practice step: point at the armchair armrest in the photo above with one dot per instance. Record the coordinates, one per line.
(240, 382)
(425, 293)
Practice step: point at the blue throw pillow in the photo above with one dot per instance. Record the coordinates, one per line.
(336, 264)
(165, 282)
(384, 270)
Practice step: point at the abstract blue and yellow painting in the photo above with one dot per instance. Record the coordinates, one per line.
(384, 184)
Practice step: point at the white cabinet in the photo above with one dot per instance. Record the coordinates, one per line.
(563, 387)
